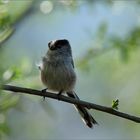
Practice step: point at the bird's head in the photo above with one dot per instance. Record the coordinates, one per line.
(61, 44)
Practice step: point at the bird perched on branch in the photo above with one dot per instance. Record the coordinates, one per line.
(57, 74)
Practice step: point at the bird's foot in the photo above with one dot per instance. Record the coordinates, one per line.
(59, 94)
(44, 91)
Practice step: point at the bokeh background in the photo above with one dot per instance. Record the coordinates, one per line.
(105, 39)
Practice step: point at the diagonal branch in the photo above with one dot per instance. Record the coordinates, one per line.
(72, 101)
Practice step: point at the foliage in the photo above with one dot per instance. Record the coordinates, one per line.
(10, 13)
(106, 43)
(8, 17)
(115, 104)
(14, 11)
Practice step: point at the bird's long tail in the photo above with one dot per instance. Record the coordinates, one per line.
(86, 116)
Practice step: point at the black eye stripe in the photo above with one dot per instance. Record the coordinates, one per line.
(60, 43)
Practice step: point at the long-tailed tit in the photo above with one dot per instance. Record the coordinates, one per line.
(57, 74)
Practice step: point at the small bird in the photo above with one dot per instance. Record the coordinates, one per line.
(58, 74)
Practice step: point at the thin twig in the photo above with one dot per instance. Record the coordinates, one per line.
(72, 101)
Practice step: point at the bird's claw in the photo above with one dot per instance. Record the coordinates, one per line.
(59, 94)
(44, 91)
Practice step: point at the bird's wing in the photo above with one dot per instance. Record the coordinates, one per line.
(72, 62)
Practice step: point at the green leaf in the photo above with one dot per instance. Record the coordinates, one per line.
(8, 101)
(6, 33)
(115, 104)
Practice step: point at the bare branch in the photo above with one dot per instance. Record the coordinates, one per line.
(71, 100)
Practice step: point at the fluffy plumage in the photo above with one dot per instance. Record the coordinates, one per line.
(57, 73)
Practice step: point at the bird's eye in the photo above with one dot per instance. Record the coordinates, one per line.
(49, 44)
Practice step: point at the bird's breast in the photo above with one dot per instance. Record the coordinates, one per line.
(59, 76)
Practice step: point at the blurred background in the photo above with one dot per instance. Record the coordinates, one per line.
(105, 39)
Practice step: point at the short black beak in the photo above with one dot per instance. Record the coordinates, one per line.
(49, 44)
